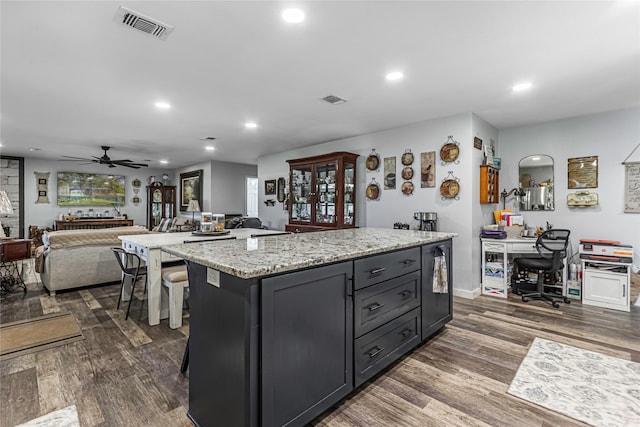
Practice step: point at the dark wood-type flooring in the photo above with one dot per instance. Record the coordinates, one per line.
(126, 373)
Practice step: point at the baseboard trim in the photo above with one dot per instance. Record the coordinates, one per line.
(463, 293)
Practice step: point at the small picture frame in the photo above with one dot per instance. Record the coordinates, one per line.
(42, 181)
(42, 193)
(270, 187)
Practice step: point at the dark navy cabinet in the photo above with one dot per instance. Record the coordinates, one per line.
(307, 343)
(280, 350)
(437, 308)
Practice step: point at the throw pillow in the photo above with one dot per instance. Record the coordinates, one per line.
(165, 225)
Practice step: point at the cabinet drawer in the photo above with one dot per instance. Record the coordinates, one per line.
(378, 268)
(522, 247)
(377, 304)
(379, 348)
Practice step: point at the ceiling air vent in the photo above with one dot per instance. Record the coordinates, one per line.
(138, 21)
(332, 99)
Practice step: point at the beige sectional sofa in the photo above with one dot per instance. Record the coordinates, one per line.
(75, 258)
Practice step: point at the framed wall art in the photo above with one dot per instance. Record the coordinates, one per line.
(270, 187)
(190, 188)
(583, 172)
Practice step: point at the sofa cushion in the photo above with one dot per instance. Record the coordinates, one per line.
(101, 236)
(175, 274)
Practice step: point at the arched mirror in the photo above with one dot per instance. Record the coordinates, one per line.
(536, 183)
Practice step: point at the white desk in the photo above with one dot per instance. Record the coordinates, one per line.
(149, 248)
(497, 256)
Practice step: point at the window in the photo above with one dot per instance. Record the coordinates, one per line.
(252, 196)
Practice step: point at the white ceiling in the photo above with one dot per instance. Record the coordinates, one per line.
(73, 79)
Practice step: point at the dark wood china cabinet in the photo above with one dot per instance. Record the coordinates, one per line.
(161, 203)
(322, 192)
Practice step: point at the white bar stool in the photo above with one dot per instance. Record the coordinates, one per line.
(175, 279)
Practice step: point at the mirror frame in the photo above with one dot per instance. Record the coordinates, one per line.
(529, 194)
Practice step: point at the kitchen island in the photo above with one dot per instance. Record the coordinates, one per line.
(284, 327)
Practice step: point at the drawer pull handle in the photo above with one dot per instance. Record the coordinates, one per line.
(408, 261)
(405, 293)
(406, 332)
(375, 306)
(377, 270)
(376, 351)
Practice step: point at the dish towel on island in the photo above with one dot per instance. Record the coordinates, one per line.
(440, 282)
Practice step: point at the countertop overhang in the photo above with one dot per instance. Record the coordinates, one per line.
(270, 255)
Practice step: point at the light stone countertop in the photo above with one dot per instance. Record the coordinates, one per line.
(269, 255)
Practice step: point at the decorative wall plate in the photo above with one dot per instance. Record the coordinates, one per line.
(373, 161)
(450, 151)
(449, 188)
(407, 188)
(407, 157)
(407, 173)
(373, 190)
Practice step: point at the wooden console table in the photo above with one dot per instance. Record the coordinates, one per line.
(83, 224)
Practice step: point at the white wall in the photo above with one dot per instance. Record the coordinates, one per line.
(43, 215)
(224, 186)
(482, 213)
(453, 215)
(610, 136)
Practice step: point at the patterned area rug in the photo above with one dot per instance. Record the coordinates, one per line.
(591, 387)
(66, 417)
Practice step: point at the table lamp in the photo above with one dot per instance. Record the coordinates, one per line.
(193, 207)
(5, 208)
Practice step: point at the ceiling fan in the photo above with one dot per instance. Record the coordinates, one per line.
(106, 160)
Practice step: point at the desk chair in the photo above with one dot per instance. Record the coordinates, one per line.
(552, 249)
(131, 266)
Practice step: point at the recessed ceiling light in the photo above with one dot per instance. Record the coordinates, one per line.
(164, 162)
(251, 125)
(34, 149)
(522, 86)
(293, 16)
(209, 148)
(163, 105)
(395, 75)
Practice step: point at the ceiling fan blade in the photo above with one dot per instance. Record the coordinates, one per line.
(74, 158)
(128, 163)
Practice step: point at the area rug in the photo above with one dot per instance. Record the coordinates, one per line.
(27, 336)
(65, 417)
(597, 389)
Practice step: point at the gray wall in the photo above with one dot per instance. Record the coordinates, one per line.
(461, 216)
(610, 136)
(224, 188)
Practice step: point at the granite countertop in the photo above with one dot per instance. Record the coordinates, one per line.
(269, 255)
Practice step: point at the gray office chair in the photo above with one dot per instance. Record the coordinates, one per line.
(552, 249)
(133, 269)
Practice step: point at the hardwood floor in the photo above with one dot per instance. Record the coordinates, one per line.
(125, 373)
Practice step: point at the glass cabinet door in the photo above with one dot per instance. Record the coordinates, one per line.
(349, 194)
(301, 194)
(169, 205)
(326, 194)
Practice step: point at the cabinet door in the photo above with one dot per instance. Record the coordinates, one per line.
(349, 194)
(325, 194)
(301, 194)
(436, 307)
(307, 343)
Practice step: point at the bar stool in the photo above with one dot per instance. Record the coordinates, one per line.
(131, 266)
(175, 279)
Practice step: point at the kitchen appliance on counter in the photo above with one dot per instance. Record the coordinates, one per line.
(428, 220)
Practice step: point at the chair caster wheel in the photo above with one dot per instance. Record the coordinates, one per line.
(567, 300)
(556, 305)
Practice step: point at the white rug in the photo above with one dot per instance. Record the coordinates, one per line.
(66, 417)
(591, 387)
